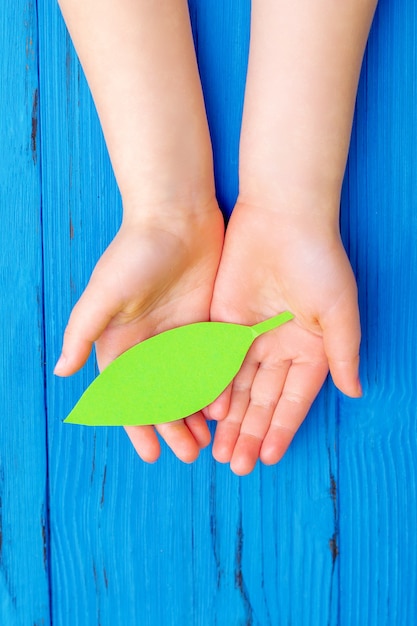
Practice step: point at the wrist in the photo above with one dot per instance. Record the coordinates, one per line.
(181, 186)
(181, 215)
(290, 222)
(174, 172)
(296, 208)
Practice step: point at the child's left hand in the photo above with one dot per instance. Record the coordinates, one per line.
(273, 263)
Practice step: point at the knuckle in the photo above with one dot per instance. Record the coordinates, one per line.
(266, 402)
(240, 386)
(295, 398)
(251, 436)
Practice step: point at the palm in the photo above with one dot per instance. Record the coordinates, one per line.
(265, 271)
(147, 281)
(156, 283)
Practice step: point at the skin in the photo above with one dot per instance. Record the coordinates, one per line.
(283, 248)
(159, 271)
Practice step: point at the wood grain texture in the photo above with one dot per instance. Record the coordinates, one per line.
(167, 544)
(378, 445)
(24, 596)
(221, 36)
(326, 537)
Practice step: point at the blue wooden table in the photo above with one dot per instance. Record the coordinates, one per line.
(89, 535)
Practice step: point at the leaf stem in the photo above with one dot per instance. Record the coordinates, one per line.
(271, 323)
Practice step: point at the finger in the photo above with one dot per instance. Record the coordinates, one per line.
(145, 442)
(180, 439)
(225, 437)
(197, 425)
(88, 319)
(265, 393)
(341, 338)
(227, 430)
(218, 409)
(245, 454)
(303, 382)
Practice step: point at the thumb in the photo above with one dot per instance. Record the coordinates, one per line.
(88, 319)
(341, 337)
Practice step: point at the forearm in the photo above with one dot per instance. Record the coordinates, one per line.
(304, 65)
(139, 60)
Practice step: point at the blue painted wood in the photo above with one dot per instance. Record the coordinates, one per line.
(328, 536)
(221, 35)
(377, 438)
(24, 596)
(166, 544)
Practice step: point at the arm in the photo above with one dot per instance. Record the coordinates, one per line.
(159, 271)
(139, 60)
(283, 247)
(304, 66)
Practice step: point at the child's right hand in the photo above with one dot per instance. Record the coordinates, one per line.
(139, 60)
(158, 273)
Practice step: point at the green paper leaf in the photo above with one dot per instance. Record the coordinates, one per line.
(169, 376)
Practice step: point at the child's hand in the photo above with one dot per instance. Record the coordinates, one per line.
(271, 264)
(155, 275)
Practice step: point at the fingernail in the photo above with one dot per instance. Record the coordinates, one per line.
(60, 365)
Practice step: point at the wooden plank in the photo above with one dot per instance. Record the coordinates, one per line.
(276, 536)
(221, 35)
(24, 594)
(378, 443)
(81, 206)
(119, 529)
(167, 544)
